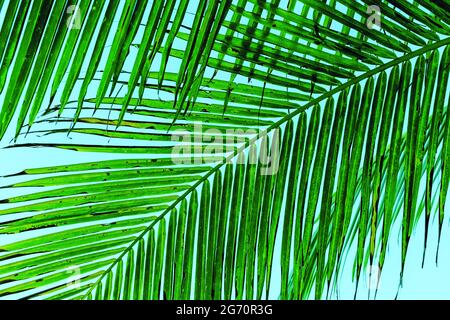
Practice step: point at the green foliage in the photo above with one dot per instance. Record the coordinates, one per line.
(353, 119)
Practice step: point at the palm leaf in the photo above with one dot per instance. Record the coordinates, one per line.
(264, 139)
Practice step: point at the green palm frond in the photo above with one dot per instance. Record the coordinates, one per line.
(228, 144)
